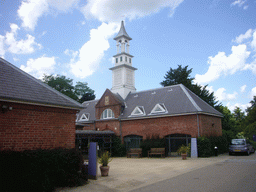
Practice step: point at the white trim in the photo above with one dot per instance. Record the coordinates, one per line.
(110, 114)
(138, 111)
(160, 106)
(84, 117)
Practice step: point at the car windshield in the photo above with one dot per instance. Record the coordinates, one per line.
(238, 142)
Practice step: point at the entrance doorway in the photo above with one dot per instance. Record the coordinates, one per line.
(174, 141)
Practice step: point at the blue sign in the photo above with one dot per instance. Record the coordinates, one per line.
(92, 166)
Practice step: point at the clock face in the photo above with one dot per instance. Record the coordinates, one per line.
(107, 100)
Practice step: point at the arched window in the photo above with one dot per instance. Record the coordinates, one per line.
(107, 114)
(132, 141)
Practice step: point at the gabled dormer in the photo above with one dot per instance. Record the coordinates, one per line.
(109, 106)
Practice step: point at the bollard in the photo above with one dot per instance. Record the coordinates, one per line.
(216, 150)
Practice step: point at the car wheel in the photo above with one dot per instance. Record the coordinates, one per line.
(230, 153)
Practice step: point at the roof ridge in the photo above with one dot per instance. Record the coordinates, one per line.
(40, 82)
(190, 98)
(203, 100)
(167, 87)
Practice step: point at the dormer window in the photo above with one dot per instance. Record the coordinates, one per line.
(84, 117)
(138, 111)
(159, 108)
(107, 114)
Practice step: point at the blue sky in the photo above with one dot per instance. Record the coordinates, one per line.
(75, 38)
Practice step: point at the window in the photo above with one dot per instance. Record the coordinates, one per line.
(121, 59)
(132, 141)
(130, 60)
(139, 110)
(107, 114)
(159, 108)
(126, 59)
(116, 60)
(84, 117)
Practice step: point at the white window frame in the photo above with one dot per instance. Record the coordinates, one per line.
(107, 114)
(138, 111)
(160, 106)
(84, 117)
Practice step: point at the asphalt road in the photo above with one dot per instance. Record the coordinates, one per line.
(237, 174)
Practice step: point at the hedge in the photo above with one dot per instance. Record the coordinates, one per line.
(41, 170)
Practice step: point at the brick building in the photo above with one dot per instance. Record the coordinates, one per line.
(32, 114)
(174, 113)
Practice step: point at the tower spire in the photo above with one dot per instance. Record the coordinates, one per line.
(122, 33)
(123, 80)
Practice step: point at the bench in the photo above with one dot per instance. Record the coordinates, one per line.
(156, 151)
(134, 151)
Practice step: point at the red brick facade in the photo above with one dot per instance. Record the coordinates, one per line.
(28, 127)
(207, 125)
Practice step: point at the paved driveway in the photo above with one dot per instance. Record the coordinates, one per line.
(127, 174)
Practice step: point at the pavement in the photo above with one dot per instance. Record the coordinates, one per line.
(128, 174)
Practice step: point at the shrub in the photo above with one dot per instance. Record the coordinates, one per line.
(105, 159)
(118, 149)
(204, 147)
(41, 170)
(154, 142)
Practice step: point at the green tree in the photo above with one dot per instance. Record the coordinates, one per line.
(83, 92)
(239, 118)
(182, 75)
(250, 120)
(80, 92)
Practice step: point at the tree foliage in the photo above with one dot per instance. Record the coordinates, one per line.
(80, 92)
(182, 75)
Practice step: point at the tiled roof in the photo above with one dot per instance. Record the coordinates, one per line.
(175, 100)
(18, 86)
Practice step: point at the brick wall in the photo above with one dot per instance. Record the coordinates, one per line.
(210, 125)
(163, 126)
(32, 127)
(112, 125)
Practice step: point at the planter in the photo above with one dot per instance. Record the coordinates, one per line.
(184, 156)
(104, 170)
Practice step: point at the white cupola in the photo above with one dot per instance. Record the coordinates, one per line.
(123, 79)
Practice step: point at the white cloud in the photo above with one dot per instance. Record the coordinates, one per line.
(242, 89)
(92, 51)
(31, 10)
(253, 92)
(243, 37)
(38, 67)
(116, 10)
(2, 51)
(238, 2)
(253, 43)
(251, 66)
(222, 64)
(243, 107)
(223, 96)
(10, 43)
(63, 5)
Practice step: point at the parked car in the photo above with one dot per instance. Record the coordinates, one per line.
(240, 146)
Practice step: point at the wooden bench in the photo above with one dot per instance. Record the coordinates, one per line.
(156, 151)
(134, 151)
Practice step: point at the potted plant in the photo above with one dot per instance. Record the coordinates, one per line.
(183, 151)
(104, 160)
